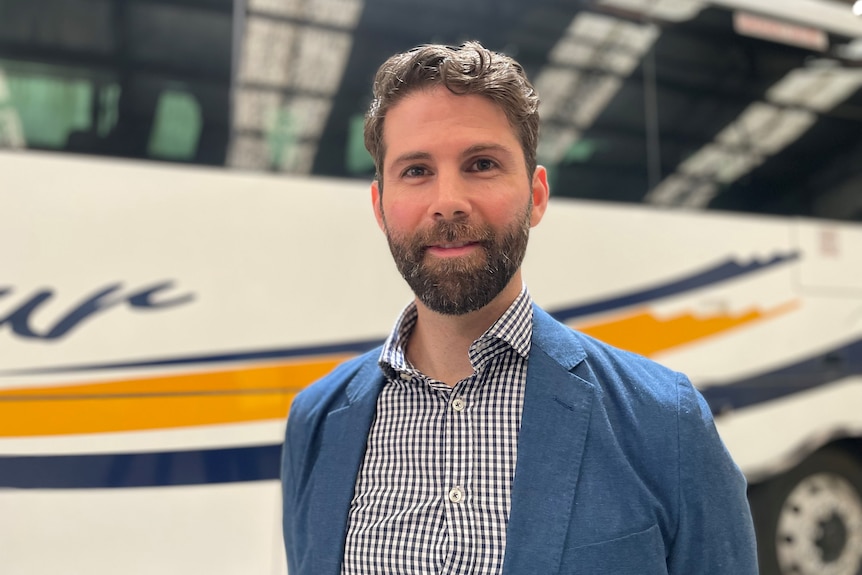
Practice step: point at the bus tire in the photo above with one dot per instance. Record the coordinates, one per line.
(809, 519)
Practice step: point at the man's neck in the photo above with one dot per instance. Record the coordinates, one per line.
(439, 345)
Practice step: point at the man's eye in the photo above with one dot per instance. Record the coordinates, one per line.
(483, 164)
(415, 172)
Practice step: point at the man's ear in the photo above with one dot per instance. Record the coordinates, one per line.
(541, 192)
(376, 200)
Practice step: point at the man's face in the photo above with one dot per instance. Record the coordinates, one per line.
(458, 203)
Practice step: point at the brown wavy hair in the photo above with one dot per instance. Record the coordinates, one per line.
(468, 69)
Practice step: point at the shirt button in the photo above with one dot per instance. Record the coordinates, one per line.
(406, 376)
(458, 404)
(456, 495)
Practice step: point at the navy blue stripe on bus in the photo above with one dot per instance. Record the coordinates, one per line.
(169, 468)
(721, 272)
(825, 368)
(355, 347)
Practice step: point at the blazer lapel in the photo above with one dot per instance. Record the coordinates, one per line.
(342, 449)
(554, 425)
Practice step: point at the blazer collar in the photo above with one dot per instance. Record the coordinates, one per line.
(557, 341)
(554, 424)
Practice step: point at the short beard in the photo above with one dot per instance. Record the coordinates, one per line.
(460, 285)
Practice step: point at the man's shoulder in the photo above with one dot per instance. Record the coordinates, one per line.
(640, 383)
(610, 358)
(613, 370)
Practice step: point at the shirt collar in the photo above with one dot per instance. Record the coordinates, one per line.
(514, 327)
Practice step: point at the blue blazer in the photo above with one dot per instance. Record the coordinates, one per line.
(620, 470)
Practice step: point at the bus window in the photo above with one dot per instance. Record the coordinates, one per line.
(50, 103)
(11, 133)
(177, 127)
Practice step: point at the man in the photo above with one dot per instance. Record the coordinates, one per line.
(484, 437)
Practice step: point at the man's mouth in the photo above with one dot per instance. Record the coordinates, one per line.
(448, 249)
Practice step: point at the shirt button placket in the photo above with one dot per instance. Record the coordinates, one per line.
(459, 470)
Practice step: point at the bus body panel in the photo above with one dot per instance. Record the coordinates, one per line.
(156, 321)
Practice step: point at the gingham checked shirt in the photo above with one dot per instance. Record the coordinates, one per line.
(433, 493)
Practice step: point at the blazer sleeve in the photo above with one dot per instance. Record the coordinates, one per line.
(714, 533)
(294, 450)
(307, 538)
(299, 454)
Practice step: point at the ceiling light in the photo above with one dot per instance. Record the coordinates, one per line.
(592, 97)
(585, 71)
(308, 115)
(249, 152)
(670, 10)
(700, 195)
(288, 72)
(818, 88)
(766, 128)
(790, 125)
(762, 130)
(320, 60)
(668, 191)
(851, 50)
(555, 143)
(555, 85)
(254, 107)
(266, 51)
(340, 13)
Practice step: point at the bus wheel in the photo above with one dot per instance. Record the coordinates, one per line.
(809, 520)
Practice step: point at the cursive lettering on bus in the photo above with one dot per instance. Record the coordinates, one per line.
(20, 318)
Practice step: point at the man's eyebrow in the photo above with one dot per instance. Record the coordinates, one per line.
(471, 151)
(489, 147)
(411, 157)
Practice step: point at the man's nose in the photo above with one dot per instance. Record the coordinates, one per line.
(451, 199)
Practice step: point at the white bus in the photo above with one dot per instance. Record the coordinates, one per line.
(159, 311)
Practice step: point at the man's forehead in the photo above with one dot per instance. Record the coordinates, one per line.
(482, 125)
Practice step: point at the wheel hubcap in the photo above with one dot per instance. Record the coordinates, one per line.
(820, 528)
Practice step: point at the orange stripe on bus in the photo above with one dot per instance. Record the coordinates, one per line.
(231, 396)
(264, 393)
(646, 334)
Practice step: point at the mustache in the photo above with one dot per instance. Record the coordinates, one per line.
(445, 231)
